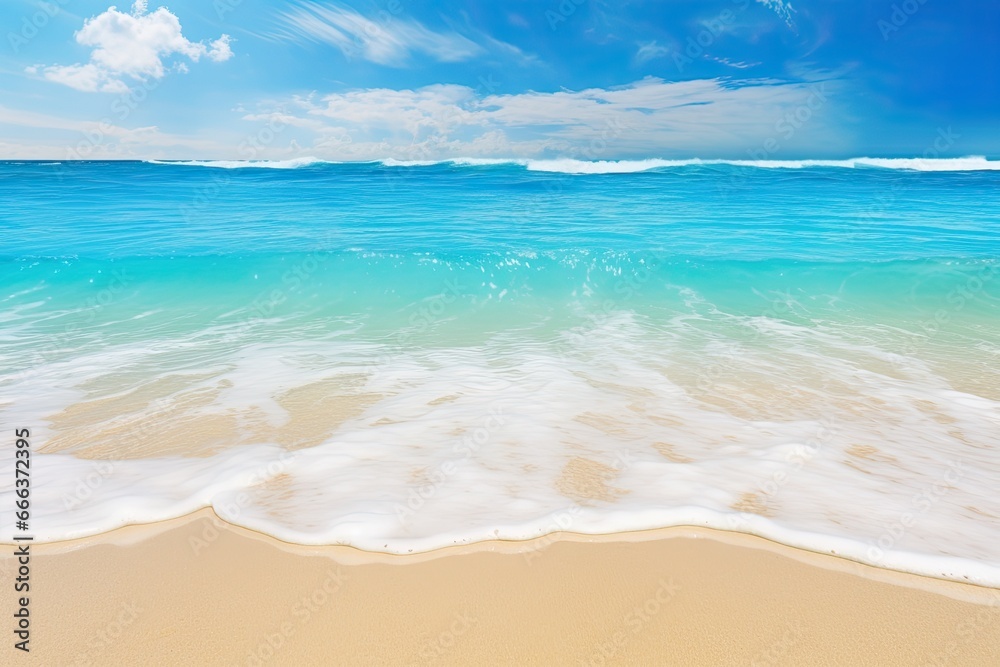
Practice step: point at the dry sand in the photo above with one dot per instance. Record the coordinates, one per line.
(198, 592)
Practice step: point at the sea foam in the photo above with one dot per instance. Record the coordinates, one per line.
(573, 166)
(591, 432)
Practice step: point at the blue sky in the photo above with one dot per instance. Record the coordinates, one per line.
(416, 79)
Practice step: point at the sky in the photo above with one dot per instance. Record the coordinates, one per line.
(429, 80)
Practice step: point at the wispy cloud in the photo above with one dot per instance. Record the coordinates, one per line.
(650, 51)
(650, 117)
(386, 39)
(130, 46)
(738, 64)
(782, 9)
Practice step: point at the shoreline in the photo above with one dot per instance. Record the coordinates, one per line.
(198, 590)
(135, 533)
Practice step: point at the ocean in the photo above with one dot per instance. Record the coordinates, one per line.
(402, 356)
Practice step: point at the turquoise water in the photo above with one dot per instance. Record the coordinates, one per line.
(131, 209)
(681, 329)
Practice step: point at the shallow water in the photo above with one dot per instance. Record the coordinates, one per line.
(401, 357)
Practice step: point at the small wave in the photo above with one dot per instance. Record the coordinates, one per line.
(458, 162)
(390, 162)
(970, 163)
(569, 166)
(572, 166)
(246, 164)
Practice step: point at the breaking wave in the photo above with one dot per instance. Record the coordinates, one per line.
(572, 166)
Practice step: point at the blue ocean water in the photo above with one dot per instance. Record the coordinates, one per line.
(118, 210)
(418, 354)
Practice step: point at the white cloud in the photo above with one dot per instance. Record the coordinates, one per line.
(648, 118)
(219, 50)
(386, 39)
(738, 64)
(782, 9)
(436, 109)
(650, 51)
(88, 78)
(131, 46)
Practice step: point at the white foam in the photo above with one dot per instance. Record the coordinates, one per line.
(480, 442)
(572, 166)
(569, 166)
(294, 163)
(971, 163)
(390, 162)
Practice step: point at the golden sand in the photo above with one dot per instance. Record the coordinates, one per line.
(197, 591)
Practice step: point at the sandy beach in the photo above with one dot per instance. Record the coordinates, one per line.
(342, 332)
(198, 591)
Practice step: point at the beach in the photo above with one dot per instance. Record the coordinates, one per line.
(199, 591)
(519, 414)
(499, 333)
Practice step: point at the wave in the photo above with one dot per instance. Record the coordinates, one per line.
(294, 163)
(973, 163)
(627, 448)
(573, 166)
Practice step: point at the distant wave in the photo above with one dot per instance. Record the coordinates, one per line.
(246, 164)
(571, 166)
(975, 163)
